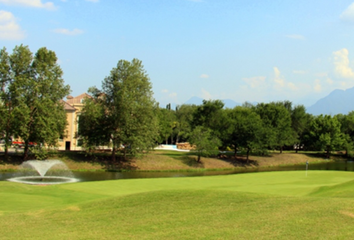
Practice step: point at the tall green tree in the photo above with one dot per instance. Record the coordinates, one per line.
(246, 129)
(167, 123)
(7, 108)
(211, 115)
(326, 133)
(205, 142)
(34, 88)
(184, 118)
(125, 108)
(347, 128)
(299, 123)
(277, 121)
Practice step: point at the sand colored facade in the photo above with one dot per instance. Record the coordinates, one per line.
(73, 107)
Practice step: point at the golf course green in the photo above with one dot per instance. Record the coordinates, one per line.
(267, 205)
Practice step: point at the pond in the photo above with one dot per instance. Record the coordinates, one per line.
(100, 175)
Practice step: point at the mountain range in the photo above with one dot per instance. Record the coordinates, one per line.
(338, 101)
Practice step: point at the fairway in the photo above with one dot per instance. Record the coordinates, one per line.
(268, 205)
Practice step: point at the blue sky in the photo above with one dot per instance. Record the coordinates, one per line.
(244, 50)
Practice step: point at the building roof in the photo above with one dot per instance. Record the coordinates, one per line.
(78, 99)
(68, 107)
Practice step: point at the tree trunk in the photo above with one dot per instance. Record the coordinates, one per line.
(177, 138)
(281, 149)
(25, 151)
(125, 153)
(235, 153)
(6, 148)
(113, 157)
(198, 160)
(328, 152)
(6, 152)
(248, 154)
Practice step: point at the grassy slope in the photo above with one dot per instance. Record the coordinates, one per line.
(271, 205)
(171, 160)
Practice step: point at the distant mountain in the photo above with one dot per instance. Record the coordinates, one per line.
(230, 103)
(338, 101)
(198, 101)
(195, 100)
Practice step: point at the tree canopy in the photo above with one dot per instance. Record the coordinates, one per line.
(123, 112)
(31, 94)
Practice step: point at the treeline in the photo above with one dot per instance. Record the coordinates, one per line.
(275, 125)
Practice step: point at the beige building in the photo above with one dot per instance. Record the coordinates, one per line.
(73, 107)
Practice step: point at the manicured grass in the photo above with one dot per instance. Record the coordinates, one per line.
(268, 205)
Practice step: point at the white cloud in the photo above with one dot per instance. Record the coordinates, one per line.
(341, 63)
(281, 83)
(29, 3)
(291, 86)
(204, 75)
(68, 32)
(278, 79)
(348, 14)
(299, 72)
(317, 87)
(9, 29)
(329, 81)
(255, 82)
(172, 95)
(296, 36)
(321, 74)
(164, 91)
(205, 94)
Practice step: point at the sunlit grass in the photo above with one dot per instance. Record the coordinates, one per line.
(164, 160)
(277, 205)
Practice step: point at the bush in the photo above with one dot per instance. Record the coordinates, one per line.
(39, 153)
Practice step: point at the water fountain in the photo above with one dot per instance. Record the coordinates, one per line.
(43, 173)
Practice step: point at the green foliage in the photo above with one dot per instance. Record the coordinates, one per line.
(40, 153)
(211, 115)
(276, 118)
(31, 94)
(123, 112)
(246, 129)
(184, 116)
(167, 123)
(206, 144)
(326, 133)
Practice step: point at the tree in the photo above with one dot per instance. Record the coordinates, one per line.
(347, 128)
(211, 115)
(125, 109)
(7, 109)
(246, 129)
(184, 116)
(326, 133)
(167, 122)
(206, 144)
(277, 122)
(32, 91)
(299, 122)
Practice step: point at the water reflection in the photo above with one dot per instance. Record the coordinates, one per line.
(100, 176)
